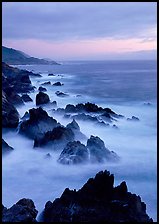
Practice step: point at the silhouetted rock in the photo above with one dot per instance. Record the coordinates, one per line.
(97, 201)
(51, 74)
(26, 98)
(58, 84)
(133, 118)
(74, 153)
(85, 117)
(42, 89)
(10, 116)
(26, 116)
(5, 147)
(61, 94)
(38, 124)
(98, 151)
(23, 211)
(42, 98)
(57, 138)
(76, 130)
(46, 83)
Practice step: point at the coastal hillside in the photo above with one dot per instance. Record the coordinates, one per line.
(15, 57)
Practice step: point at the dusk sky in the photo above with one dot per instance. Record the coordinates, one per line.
(82, 31)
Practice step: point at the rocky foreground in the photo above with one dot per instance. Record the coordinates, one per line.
(97, 201)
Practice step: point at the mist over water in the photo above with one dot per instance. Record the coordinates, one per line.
(122, 86)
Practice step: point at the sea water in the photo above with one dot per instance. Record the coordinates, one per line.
(128, 88)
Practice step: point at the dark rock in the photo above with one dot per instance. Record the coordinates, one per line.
(42, 89)
(148, 104)
(48, 156)
(58, 84)
(102, 124)
(10, 116)
(76, 130)
(74, 153)
(54, 103)
(133, 118)
(115, 127)
(26, 98)
(98, 151)
(51, 74)
(23, 211)
(26, 116)
(57, 138)
(97, 201)
(42, 98)
(73, 125)
(46, 83)
(5, 147)
(61, 94)
(85, 117)
(38, 124)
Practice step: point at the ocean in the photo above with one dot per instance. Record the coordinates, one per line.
(128, 88)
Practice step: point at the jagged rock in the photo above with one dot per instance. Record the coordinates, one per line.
(58, 84)
(46, 83)
(133, 118)
(57, 138)
(76, 130)
(23, 211)
(97, 201)
(61, 94)
(26, 98)
(10, 116)
(74, 153)
(38, 124)
(98, 151)
(5, 147)
(26, 116)
(42, 89)
(85, 117)
(13, 97)
(42, 98)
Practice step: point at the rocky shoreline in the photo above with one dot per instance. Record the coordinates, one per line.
(98, 199)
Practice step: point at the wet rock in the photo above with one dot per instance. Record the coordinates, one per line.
(97, 201)
(42, 98)
(76, 130)
(26, 98)
(74, 153)
(38, 124)
(98, 151)
(61, 94)
(46, 83)
(42, 89)
(5, 147)
(133, 118)
(23, 211)
(56, 138)
(10, 116)
(51, 74)
(58, 84)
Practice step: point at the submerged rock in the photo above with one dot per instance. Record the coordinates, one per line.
(42, 89)
(133, 118)
(74, 153)
(51, 74)
(97, 201)
(26, 98)
(23, 211)
(38, 124)
(42, 98)
(58, 84)
(61, 94)
(46, 83)
(98, 151)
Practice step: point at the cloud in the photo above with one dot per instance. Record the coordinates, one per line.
(60, 21)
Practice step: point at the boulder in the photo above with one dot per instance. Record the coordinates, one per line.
(38, 124)
(46, 83)
(98, 151)
(133, 118)
(42, 89)
(42, 98)
(5, 147)
(57, 138)
(23, 211)
(51, 74)
(74, 153)
(61, 94)
(10, 116)
(26, 98)
(97, 201)
(58, 84)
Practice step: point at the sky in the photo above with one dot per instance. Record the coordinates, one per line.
(81, 30)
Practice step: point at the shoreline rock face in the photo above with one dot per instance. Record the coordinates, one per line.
(26, 98)
(97, 201)
(37, 124)
(23, 211)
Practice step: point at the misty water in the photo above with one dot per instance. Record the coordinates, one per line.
(124, 86)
